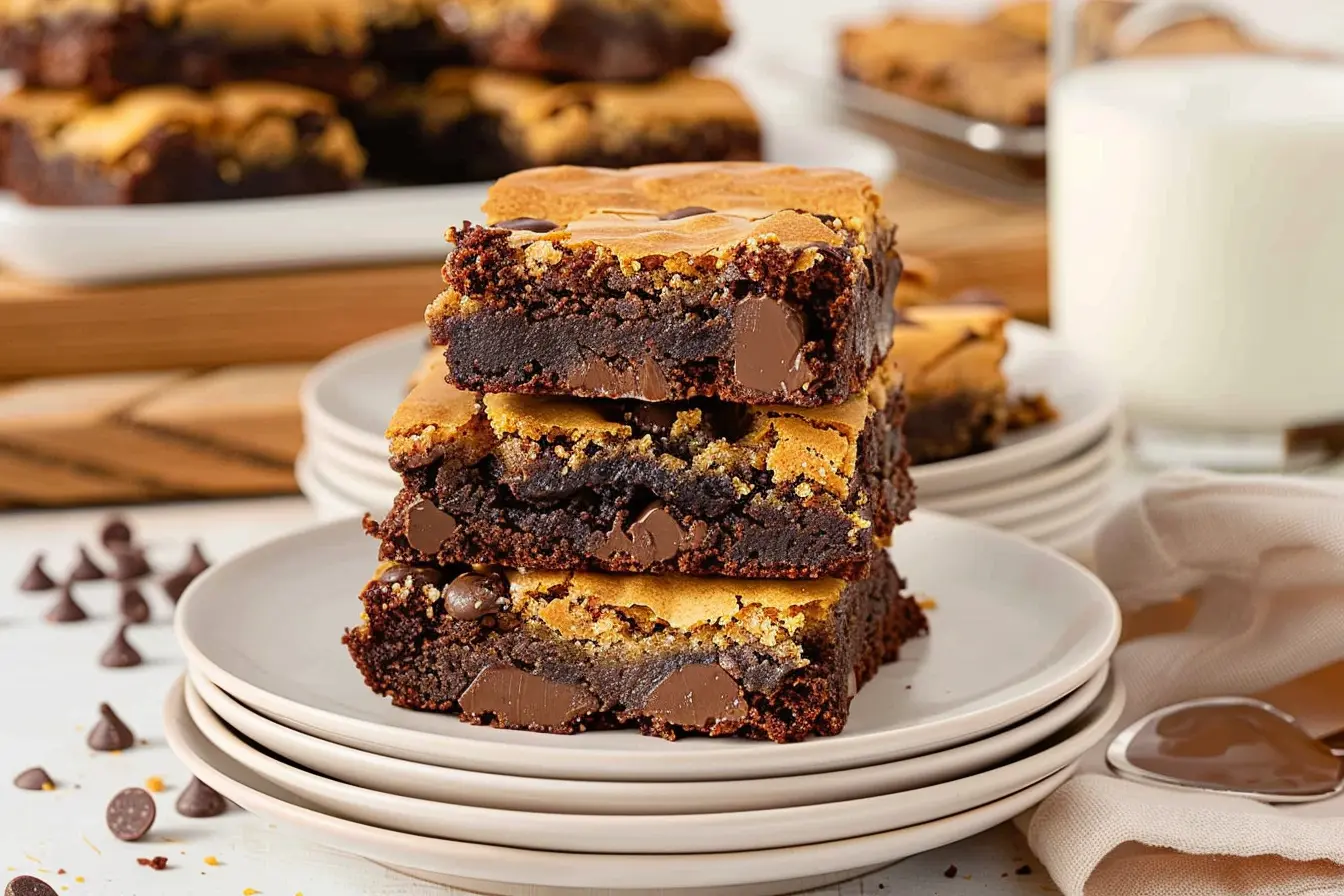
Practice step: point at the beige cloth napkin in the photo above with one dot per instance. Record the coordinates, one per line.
(1265, 556)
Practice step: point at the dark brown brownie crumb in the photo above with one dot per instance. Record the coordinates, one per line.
(1023, 870)
(158, 863)
(951, 872)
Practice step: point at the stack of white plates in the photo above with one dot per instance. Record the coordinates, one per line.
(1050, 483)
(978, 721)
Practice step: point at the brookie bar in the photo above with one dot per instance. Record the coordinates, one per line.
(743, 281)
(567, 652)
(169, 144)
(702, 487)
(593, 40)
(479, 124)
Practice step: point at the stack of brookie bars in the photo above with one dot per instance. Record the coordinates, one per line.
(130, 101)
(649, 480)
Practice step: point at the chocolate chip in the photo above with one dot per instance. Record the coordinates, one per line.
(644, 380)
(951, 871)
(35, 778)
(110, 733)
(199, 800)
(130, 564)
(531, 225)
(36, 578)
(1024, 870)
(471, 596)
(85, 570)
(686, 212)
(768, 341)
(196, 562)
(699, 696)
(116, 532)
(119, 654)
(158, 863)
(520, 699)
(66, 609)
(428, 528)
(415, 577)
(654, 536)
(133, 606)
(130, 814)
(25, 885)
(176, 584)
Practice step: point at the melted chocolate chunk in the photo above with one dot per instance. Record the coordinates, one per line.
(417, 577)
(119, 654)
(697, 696)
(130, 814)
(654, 536)
(428, 528)
(471, 596)
(36, 578)
(199, 800)
(531, 225)
(133, 606)
(685, 212)
(768, 341)
(25, 885)
(519, 699)
(598, 377)
(130, 564)
(66, 609)
(116, 532)
(85, 570)
(35, 778)
(110, 733)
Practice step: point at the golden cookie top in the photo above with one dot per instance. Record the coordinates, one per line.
(952, 346)
(925, 45)
(703, 14)
(809, 448)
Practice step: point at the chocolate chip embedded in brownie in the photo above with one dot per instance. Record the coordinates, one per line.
(701, 487)
(169, 144)
(592, 40)
(110, 46)
(748, 282)
(567, 652)
(479, 124)
(951, 356)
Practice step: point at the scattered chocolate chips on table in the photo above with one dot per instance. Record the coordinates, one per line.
(950, 872)
(116, 533)
(24, 885)
(199, 800)
(130, 814)
(36, 578)
(65, 608)
(1024, 870)
(119, 654)
(85, 570)
(176, 584)
(35, 778)
(110, 733)
(130, 564)
(133, 606)
(158, 863)
(196, 562)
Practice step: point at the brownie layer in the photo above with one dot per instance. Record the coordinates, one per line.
(590, 40)
(784, 298)
(946, 426)
(475, 124)
(572, 652)
(701, 488)
(108, 54)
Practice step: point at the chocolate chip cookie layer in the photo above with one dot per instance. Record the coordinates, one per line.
(567, 652)
(701, 487)
(743, 281)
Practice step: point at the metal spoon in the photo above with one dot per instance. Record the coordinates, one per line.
(1235, 746)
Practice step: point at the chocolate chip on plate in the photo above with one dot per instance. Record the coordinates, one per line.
(116, 531)
(130, 564)
(133, 606)
(36, 578)
(119, 654)
(66, 609)
(26, 885)
(110, 733)
(196, 562)
(35, 778)
(199, 800)
(130, 814)
(85, 570)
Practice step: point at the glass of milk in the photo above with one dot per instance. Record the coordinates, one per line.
(1197, 245)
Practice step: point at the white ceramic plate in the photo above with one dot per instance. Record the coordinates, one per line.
(373, 497)
(1087, 402)
(349, 397)
(1013, 632)
(1090, 491)
(670, 834)
(375, 225)
(329, 503)
(468, 788)
(497, 869)
(1089, 461)
(338, 462)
